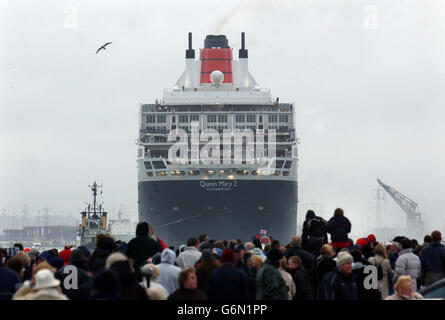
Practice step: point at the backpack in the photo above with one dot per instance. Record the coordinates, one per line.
(379, 270)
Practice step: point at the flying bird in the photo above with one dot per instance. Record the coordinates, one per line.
(103, 47)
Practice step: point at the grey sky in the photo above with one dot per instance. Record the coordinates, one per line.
(369, 101)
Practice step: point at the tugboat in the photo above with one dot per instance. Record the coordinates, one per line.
(94, 221)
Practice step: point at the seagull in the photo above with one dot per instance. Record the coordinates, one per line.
(103, 47)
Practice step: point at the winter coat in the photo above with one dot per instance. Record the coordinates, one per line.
(142, 247)
(363, 293)
(43, 294)
(104, 249)
(433, 263)
(270, 285)
(228, 283)
(9, 282)
(308, 264)
(314, 234)
(383, 283)
(187, 294)
(338, 286)
(251, 280)
(79, 260)
(168, 272)
(188, 257)
(130, 288)
(339, 227)
(324, 264)
(289, 283)
(407, 264)
(204, 271)
(302, 285)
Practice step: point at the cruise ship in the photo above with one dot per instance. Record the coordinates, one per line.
(217, 154)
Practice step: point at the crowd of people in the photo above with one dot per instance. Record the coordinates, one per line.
(309, 267)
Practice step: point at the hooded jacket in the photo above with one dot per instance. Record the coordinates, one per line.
(338, 227)
(168, 272)
(142, 247)
(270, 284)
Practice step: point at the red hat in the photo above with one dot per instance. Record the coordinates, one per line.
(65, 255)
(228, 256)
(372, 238)
(362, 242)
(26, 249)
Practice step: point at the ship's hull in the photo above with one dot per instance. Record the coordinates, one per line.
(179, 210)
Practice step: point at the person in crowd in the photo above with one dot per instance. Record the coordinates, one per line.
(208, 265)
(338, 227)
(26, 260)
(130, 288)
(19, 246)
(104, 247)
(238, 252)
(301, 281)
(394, 253)
(9, 282)
(427, 241)
(407, 264)
(105, 286)
(433, 260)
(27, 286)
(372, 240)
(168, 272)
(259, 253)
(83, 287)
(155, 291)
(190, 255)
(249, 246)
(16, 264)
(142, 247)
(85, 251)
(358, 269)
(325, 261)
(228, 282)
(308, 261)
(270, 285)
(65, 254)
(404, 290)
(314, 233)
(188, 287)
(340, 284)
(251, 265)
(46, 287)
(219, 245)
(203, 238)
(381, 259)
(287, 278)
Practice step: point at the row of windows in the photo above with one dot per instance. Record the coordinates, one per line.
(228, 173)
(213, 118)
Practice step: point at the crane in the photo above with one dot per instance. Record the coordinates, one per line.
(414, 218)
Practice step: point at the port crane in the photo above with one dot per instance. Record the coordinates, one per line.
(414, 219)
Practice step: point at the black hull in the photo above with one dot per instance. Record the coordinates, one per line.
(179, 210)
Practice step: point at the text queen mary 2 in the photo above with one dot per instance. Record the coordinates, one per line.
(217, 154)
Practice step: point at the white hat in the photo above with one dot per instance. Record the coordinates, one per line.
(45, 279)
